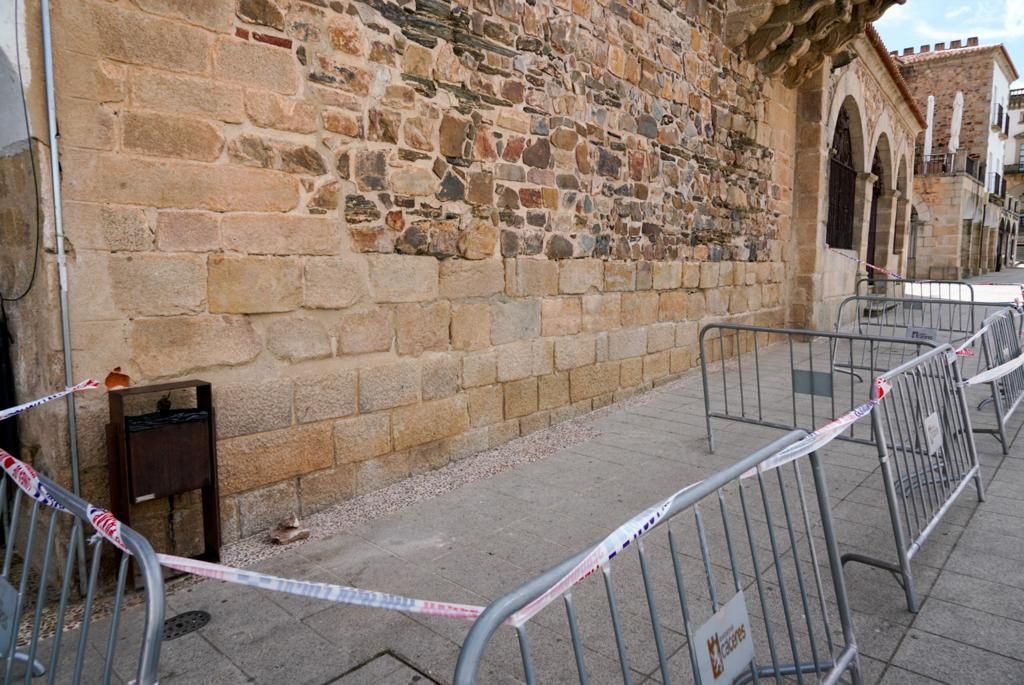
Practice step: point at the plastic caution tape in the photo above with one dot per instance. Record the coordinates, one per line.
(869, 265)
(14, 411)
(994, 373)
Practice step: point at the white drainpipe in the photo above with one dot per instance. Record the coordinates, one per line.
(58, 222)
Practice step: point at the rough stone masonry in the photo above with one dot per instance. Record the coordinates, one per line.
(394, 234)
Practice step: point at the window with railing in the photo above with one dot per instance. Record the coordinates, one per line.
(997, 123)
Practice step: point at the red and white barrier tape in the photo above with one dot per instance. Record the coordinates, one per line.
(822, 436)
(994, 373)
(14, 411)
(963, 350)
(867, 264)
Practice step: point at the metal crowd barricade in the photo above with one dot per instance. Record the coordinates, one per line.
(937, 320)
(826, 375)
(1000, 344)
(927, 452)
(928, 289)
(725, 585)
(39, 590)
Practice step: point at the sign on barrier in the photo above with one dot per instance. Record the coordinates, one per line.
(725, 643)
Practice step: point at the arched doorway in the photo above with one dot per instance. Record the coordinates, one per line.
(842, 186)
(876, 195)
(1001, 245)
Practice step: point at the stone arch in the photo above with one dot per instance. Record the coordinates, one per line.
(858, 133)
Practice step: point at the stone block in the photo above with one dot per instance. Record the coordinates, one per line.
(577, 276)
(325, 396)
(298, 339)
(591, 381)
(260, 509)
(486, 405)
(334, 282)
(628, 342)
(374, 474)
(574, 351)
(709, 275)
(174, 346)
(252, 64)
(389, 385)
(250, 285)
(480, 368)
(543, 356)
(269, 110)
(440, 376)
(553, 390)
(429, 421)
(415, 182)
(667, 275)
(672, 306)
(515, 361)
(156, 284)
(422, 327)
(515, 320)
(86, 124)
(619, 276)
(537, 421)
(525, 277)
(691, 275)
(280, 234)
(631, 373)
(107, 227)
(602, 312)
(462, 279)
(187, 231)
(471, 326)
(160, 183)
(322, 489)
(561, 316)
(661, 336)
(639, 308)
(253, 461)
(166, 92)
(656, 366)
(680, 360)
(164, 135)
(403, 278)
(687, 333)
(520, 398)
(696, 306)
(362, 437)
(244, 408)
(644, 276)
(138, 38)
(365, 331)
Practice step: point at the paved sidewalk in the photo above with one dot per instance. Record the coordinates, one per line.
(477, 542)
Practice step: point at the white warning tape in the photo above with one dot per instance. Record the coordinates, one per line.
(994, 373)
(822, 436)
(601, 554)
(963, 350)
(14, 411)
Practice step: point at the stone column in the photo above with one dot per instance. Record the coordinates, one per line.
(885, 238)
(862, 211)
(902, 232)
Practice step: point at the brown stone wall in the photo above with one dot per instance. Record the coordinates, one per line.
(943, 77)
(393, 235)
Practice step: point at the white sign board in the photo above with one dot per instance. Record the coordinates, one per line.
(933, 433)
(724, 644)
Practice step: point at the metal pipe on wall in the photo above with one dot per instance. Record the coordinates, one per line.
(58, 222)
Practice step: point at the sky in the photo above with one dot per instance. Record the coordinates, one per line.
(920, 22)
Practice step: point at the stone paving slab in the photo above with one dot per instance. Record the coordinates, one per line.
(476, 542)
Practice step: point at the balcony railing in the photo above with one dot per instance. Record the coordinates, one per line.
(949, 164)
(997, 122)
(1017, 98)
(1017, 168)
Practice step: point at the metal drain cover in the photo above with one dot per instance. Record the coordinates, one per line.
(185, 623)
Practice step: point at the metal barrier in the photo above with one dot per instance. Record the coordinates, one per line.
(927, 452)
(937, 320)
(826, 375)
(930, 289)
(37, 582)
(1000, 343)
(751, 544)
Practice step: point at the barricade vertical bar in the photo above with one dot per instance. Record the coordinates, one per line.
(835, 561)
(757, 579)
(115, 619)
(683, 607)
(757, 375)
(22, 586)
(83, 640)
(44, 575)
(65, 589)
(613, 607)
(574, 632)
(659, 643)
(524, 651)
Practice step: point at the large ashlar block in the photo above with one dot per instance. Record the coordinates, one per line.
(250, 285)
(252, 461)
(174, 346)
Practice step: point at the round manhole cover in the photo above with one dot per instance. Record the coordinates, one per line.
(185, 623)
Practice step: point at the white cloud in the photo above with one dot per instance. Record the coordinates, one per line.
(958, 12)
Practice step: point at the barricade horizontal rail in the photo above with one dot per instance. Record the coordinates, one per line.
(722, 582)
(824, 375)
(927, 452)
(44, 551)
(929, 289)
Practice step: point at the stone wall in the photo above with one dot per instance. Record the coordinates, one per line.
(393, 235)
